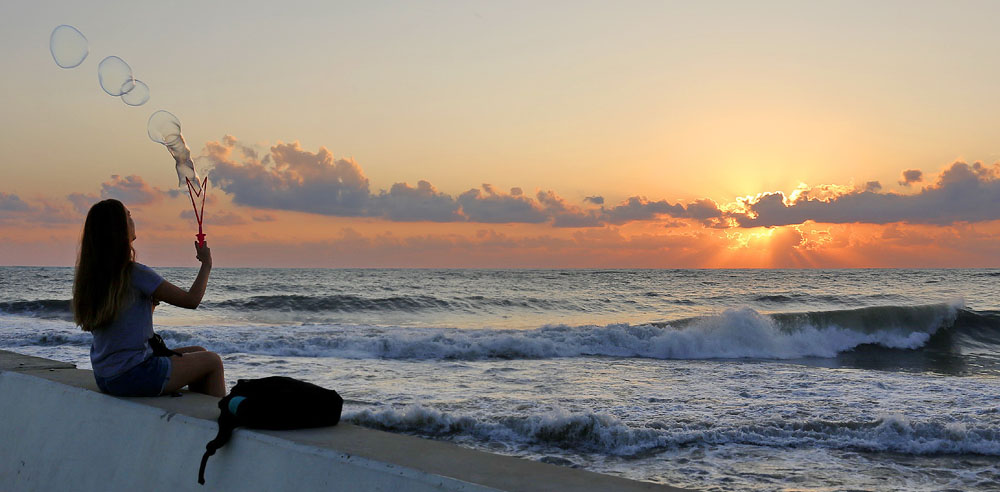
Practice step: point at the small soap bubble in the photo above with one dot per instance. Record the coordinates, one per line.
(137, 95)
(68, 46)
(115, 76)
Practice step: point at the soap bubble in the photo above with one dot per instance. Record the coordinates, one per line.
(68, 46)
(138, 95)
(115, 76)
(164, 128)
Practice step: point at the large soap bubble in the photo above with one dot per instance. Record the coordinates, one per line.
(165, 128)
(115, 76)
(138, 95)
(68, 46)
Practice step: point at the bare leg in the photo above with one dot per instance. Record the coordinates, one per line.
(185, 350)
(200, 370)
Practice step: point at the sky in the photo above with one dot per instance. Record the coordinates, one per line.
(552, 134)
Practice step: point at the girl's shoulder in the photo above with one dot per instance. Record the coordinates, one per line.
(143, 270)
(144, 278)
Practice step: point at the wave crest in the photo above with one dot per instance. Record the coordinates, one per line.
(606, 434)
(733, 334)
(42, 308)
(736, 333)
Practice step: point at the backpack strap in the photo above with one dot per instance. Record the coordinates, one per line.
(227, 423)
(160, 348)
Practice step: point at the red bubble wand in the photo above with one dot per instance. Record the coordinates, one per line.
(199, 216)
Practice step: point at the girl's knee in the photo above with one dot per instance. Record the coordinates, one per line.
(216, 360)
(190, 350)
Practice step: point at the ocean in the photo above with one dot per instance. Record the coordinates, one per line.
(710, 379)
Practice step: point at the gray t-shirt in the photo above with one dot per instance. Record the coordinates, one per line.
(124, 343)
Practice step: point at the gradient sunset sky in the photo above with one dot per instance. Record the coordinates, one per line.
(516, 134)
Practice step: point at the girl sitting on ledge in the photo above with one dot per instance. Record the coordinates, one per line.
(113, 298)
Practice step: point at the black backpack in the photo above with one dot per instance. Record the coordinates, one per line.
(275, 402)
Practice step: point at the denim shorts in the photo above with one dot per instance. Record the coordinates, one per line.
(149, 378)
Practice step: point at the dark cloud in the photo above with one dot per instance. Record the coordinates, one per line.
(564, 214)
(296, 180)
(41, 212)
(130, 190)
(963, 193)
(911, 176)
(423, 202)
(12, 203)
(872, 186)
(639, 208)
(264, 218)
(290, 178)
(489, 206)
(703, 210)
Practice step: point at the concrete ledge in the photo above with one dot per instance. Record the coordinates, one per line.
(58, 432)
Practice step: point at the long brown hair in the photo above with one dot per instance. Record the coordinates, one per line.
(103, 281)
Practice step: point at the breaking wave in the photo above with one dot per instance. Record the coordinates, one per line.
(42, 308)
(733, 334)
(605, 434)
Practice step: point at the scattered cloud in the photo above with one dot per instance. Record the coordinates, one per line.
(639, 208)
(292, 179)
(490, 206)
(288, 177)
(703, 210)
(10, 202)
(962, 193)
(42, 211)
(564, 214)
(82, 201)
(130, 190)
(911, 176)
(421, 203)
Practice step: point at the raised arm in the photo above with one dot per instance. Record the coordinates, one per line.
(190, 298)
